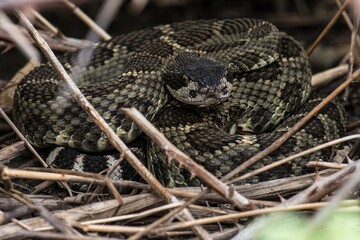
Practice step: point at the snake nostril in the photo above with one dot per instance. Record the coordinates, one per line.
(213, 95)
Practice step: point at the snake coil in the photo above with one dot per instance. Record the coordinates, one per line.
(220, 90)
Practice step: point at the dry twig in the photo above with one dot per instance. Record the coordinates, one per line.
(328, 27)
(87, 20)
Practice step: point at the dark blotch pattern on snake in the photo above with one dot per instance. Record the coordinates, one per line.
(202, 83)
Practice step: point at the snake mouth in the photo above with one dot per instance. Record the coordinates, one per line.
(203, 96)
(212, 99)
(206, 100)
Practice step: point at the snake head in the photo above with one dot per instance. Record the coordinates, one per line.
(197, 80)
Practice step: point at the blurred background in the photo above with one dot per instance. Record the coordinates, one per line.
(303, 19)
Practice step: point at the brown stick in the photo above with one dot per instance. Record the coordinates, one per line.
(260, 190)
(65, 45)
(9, 152)
(87, 20)
(21, 136)
(327, 165)
(328, 75)
(328, 27)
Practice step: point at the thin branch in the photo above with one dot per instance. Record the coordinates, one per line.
(51, 28)
(107, 12)
(328, 165)
(21, 136)
(348, 21)
(18, 38)
(65, 45)
(87, 20)
(267, 189)
(12, 151)
(328, 27)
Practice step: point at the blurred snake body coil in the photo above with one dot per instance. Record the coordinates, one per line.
(220, 90)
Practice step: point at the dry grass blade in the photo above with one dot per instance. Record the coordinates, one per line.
(17, 36)
(62, 176)
(137, 6)
(103, 19)
(22, 211)
(348, 21)
(353, 125)
(134, 215)
(19, 3)
(50, 202)
(51, 28)
(262, 190)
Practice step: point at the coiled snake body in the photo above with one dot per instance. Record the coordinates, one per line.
(202, 83)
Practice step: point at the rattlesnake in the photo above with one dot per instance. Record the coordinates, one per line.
(220, 90)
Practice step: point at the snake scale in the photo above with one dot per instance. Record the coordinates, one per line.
(220, 90)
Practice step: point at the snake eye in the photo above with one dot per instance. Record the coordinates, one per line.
(192, 93)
